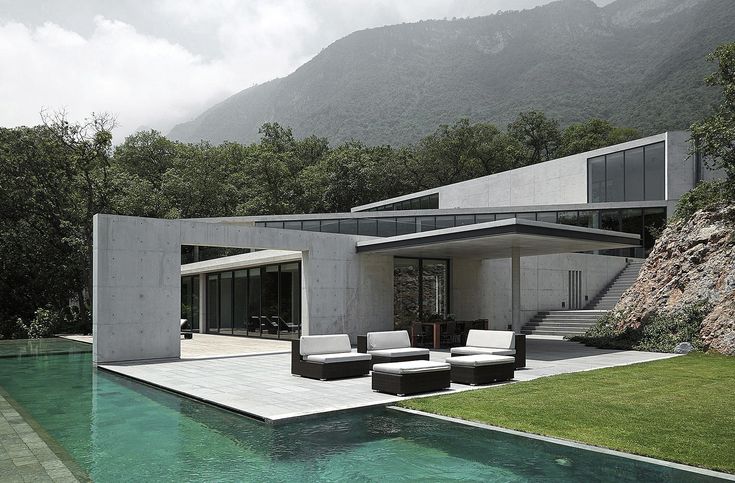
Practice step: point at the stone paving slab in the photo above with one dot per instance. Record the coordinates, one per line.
(24, 454)
(211, 345)
(262, 386)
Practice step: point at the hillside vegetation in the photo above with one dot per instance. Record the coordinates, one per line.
(634, 63)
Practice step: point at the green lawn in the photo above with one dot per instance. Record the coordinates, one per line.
(680, 409)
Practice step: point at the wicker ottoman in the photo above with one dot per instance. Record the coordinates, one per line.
(410, 377)
(481, 369)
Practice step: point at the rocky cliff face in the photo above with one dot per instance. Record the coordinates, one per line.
(693, 262)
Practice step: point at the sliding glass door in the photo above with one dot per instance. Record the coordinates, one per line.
(420, 290)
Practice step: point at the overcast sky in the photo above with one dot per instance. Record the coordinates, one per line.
(156, 63)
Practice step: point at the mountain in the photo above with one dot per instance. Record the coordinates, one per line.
(637, 63)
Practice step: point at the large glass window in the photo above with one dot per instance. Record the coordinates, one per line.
(240, 311)
(434, 283)
(405, 292)
(212, 303)
(289, 316)
(225, 303)
(254, 325)
(428, 202)
(190, 301)
(655, 160)
(596, 179)
(615, 177)
(269, 301)
(632, 222)
(634, 174)
(420, 290)
(261, 301)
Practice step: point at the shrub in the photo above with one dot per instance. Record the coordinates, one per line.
(707, 195)
(42, 324)
(659, 332)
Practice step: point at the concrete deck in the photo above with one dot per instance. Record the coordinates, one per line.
(262, 386)
(207, 345)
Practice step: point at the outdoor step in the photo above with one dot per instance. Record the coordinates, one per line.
(552, 332)
(561, 326)
(567, 316)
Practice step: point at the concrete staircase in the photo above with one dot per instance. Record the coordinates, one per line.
(576, 322)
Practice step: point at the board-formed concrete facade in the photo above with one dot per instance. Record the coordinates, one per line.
(137, 261)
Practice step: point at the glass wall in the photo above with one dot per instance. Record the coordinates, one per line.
(190, 301)
(262, 301)
(428, 202)
(631, 175)
(420, 290)
(391, 226)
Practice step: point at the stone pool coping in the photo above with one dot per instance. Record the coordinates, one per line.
(29, 452)
(573, 444)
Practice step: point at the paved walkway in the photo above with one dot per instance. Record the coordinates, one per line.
(24, 455)
(209, 345)
(262, 385)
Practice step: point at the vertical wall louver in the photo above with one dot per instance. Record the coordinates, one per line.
(575, 289)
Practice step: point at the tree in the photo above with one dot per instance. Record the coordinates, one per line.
(715, 136)
(593, 134)
(539, 136)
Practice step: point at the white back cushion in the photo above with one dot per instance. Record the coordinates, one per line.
(324, 344)
(391, 339)
(491, 338)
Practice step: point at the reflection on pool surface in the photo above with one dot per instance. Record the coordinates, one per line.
(119, 430)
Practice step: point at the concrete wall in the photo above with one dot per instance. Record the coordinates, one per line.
(559, 181)
(137, 291)
(136, 301)
(680, 166)
(544, 284)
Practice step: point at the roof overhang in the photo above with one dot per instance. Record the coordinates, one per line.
(497, 239)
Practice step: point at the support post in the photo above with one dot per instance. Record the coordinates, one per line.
(516, 289)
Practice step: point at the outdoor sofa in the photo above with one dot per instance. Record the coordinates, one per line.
(327, 357)
(390, 346)
(494, 342)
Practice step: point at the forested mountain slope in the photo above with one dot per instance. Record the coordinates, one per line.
(637, 63)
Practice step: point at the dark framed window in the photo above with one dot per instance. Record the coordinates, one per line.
(632, 175)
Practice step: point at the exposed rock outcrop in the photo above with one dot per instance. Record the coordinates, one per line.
(692, 263)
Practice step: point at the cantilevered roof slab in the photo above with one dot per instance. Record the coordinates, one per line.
(497, 239)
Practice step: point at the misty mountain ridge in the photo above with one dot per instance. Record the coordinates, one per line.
(635, 63)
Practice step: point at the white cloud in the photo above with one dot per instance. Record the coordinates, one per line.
(145, 78)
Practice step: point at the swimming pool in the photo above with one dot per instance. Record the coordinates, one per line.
(120, 430)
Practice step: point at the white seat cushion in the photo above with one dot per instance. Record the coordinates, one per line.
(402, 352)
(338, 357)
(501, 339)
(411, 367)
(480, 360)
(482, 350)
(324, 344)
(391, 339)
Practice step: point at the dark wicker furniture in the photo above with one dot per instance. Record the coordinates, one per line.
(325, 371)
(476, 370)
(411, 382)
(380, 359)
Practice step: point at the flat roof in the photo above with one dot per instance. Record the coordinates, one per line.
(497, 239)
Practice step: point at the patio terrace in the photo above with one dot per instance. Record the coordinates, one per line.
(258, 382)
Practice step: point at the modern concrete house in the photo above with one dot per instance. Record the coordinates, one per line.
(499, 249)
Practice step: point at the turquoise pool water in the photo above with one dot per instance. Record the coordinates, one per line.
(119, 430)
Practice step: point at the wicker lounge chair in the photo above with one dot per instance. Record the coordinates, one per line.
(494, 342)
(187, 333)
(390, 346)
(327, 357)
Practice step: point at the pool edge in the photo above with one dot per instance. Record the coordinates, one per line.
(573, 444)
